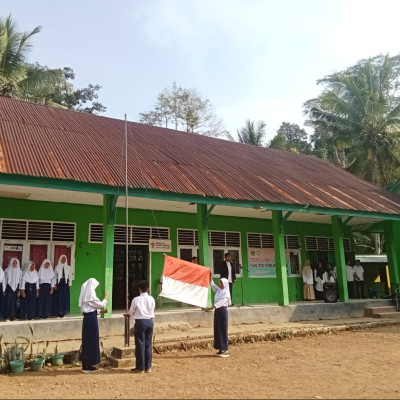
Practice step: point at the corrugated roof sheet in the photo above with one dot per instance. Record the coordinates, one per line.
(41, 141)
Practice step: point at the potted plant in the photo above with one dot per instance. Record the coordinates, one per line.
(15, 358)
(57, 358)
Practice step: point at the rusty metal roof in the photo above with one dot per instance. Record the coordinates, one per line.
(41, 141)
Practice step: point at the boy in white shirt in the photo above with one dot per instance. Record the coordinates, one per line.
(359, 280)
(350, 279)
(142, 309)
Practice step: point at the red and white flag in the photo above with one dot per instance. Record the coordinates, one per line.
(186, 282)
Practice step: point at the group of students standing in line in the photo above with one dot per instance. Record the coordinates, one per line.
(314, 279)
(28, 294)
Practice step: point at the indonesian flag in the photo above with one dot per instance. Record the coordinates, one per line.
(186, 282)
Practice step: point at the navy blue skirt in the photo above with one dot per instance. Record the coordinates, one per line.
(2, 302)
(90, 339)
(10, 303)
(62, 298)
(221, 328)
(45, 302)
(29, 303)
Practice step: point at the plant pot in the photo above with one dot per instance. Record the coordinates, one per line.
(17, 366)
(71, 357)
(37, 364)
(57, 359)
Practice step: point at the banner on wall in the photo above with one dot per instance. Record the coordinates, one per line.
(261, 262)
(160, 245)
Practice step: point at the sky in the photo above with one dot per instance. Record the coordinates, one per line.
(253, 59)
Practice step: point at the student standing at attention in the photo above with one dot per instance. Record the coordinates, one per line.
(90, 304)
(222, 300)
(142, 309)
(227, 269)
(13, 275)
(47, 280)
(3, 292)
(29, 291)
(64, 282)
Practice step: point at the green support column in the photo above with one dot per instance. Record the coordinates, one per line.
(392, 239)
(280, 257)
(109, 203)
(202, 226)
(337, 231)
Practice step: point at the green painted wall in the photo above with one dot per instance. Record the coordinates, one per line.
(88, 256)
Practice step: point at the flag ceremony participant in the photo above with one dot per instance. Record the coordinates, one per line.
(13, 275)
(222, 300)
(47, 281)
(64, 282)
(29, 291)
(90, 304)
(142, 309)
(3, 292)
(227, 269)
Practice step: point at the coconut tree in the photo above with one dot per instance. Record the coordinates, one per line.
(252, 133)
(359, 111)
(14, 48)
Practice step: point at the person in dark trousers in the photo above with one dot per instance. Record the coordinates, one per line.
(29, 291)
(90, 304)
(227, 271)
(13, 276)
(63, 275)
(222, 300)
(350, 279)
(142, 309)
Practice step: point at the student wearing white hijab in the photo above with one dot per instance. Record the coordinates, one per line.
(13, 277)
(222, 300)
(90, 304)
(3, 292)
(64, 281)
(29, 291)
(47, 281)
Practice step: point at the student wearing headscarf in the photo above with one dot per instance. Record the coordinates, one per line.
(13, 277)
(308, 282)
(47, 281)
(90, 304)
(320, 278)
(222, 300)
(29, 291)
(64, 281)
(3, 292)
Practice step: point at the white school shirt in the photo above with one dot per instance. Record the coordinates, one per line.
(308, 276)
(3, 282)
(52, 281)
(224, 302)
(93, 305)
(23, 284)
(359, 271)
(319, 282)
(350, 273)
(142, 307)
(229, 265)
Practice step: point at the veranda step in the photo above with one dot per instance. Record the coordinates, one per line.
(391, 315)
(372, 311)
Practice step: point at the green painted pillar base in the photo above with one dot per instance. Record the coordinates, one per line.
(280, 258)
(337, 231)
(392, 238)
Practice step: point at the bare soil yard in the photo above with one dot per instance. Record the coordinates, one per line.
(359, 364)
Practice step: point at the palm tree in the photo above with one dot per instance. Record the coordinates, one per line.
(251, 133)
(357, 111)
(14, 47)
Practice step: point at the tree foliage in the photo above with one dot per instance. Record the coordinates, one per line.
(291, 137)
(252, 133)
(183, 109)
(357, 118)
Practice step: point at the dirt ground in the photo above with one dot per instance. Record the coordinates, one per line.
(358, 364)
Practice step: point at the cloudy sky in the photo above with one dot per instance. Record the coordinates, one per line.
(253, 59)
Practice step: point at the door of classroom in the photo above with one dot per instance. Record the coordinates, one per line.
(138, 257)
(12, 250)
(38, 253)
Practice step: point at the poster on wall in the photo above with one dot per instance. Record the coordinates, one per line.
(160, 245)
(261, 263)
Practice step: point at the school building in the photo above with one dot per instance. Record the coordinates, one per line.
(62, 190)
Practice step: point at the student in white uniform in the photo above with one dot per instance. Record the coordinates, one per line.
(320, 278)
(222, 301)
(350, 279)
(29, 291)
(47, 281)
(227, 271)
(308, 282)
(13, 275)
(142, 309)
(90, 304)
(359, 281)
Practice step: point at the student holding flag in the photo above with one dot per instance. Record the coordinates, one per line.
(222, 300)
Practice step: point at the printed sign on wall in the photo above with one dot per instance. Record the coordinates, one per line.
(160, 245)
(261, 262)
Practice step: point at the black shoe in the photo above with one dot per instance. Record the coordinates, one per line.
(87, 370)
(137, 371)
